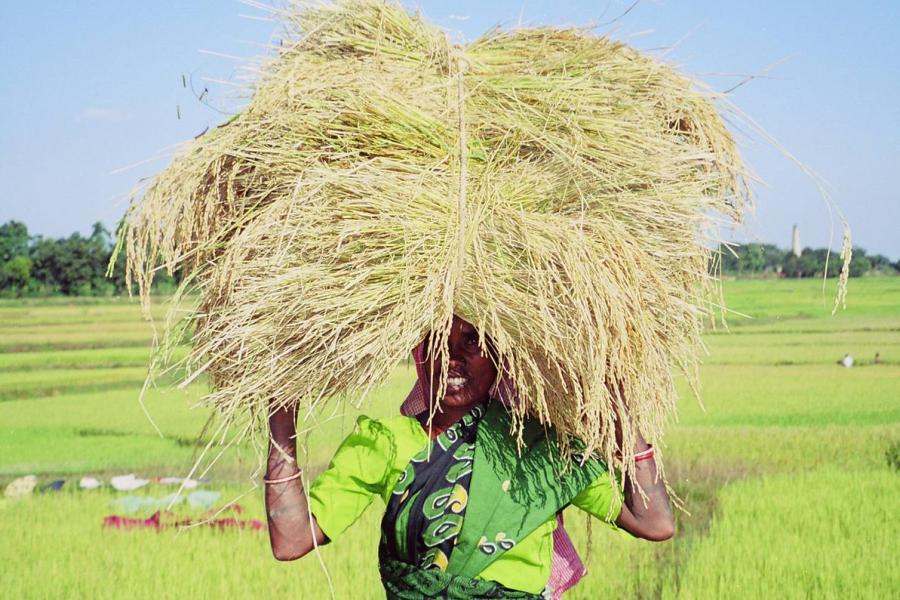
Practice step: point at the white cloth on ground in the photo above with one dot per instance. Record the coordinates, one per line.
(128, 483)
(21, 487)
(89, 483)
(187, 482)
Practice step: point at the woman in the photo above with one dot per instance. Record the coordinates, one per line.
(467, 515)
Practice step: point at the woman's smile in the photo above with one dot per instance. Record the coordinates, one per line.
(457, 382)
(470, 369)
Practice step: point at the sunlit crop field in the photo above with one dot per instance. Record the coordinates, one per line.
(784, 476)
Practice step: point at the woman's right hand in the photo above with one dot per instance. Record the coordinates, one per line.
(282, 425)
(293, 531)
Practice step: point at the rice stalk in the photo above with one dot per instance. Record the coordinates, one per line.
(561, 191)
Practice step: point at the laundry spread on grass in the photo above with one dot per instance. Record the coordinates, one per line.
(167, 520)
(131, 504)
(21, 487)
(28, 485)
(160, 506)
(127, 483)
(130, 482)
(89, 483)
(25, 486)
(52, 486)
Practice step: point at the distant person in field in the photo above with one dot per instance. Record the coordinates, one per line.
(846, 362)
(465, 515)
(877, 358)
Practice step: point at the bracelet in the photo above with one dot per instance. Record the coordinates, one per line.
(645, 455)
(283, 479)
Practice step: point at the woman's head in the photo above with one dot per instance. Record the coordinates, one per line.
(471, 371)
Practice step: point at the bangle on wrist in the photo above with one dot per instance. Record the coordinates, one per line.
(645, 455)
(283, 479)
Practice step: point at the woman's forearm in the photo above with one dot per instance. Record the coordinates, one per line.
(292, 531)
(649, 517)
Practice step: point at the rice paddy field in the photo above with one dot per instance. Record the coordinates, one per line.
(784, 474)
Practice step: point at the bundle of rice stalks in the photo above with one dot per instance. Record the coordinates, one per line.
(559, 190)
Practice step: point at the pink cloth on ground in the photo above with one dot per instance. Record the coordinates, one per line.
(566, 568)
(163, 520)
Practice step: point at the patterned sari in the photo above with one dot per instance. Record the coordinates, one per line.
(423, 519)
(464, 500)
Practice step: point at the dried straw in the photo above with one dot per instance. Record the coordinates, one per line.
(559, 190)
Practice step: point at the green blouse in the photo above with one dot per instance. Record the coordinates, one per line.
(370, 461)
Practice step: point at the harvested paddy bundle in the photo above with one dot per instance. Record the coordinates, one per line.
(560, 191)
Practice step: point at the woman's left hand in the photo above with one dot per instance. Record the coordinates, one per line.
(648, 516)
(651, 517)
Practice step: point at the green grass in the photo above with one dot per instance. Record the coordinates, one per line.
(87, 561)
(734, 452)
(784, 473)
(86, 428)
(113, 410)
(31, 341)
(820, 348)
(873, 297)
(34, 384)
(70, 452)
(96, 358)
(43, 311)
(823, 534)
(764, 395)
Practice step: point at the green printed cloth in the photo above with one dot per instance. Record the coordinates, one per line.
(425, 514)
(506, 530)
(513, 492)
(403, 581)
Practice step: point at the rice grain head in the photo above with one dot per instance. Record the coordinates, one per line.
(561, 191)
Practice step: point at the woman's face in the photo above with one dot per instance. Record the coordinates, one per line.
(470, 374)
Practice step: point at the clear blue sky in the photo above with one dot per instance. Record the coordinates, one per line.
(92, 86)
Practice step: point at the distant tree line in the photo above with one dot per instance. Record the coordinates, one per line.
(761, 259)
(71, 266)
(76, 265)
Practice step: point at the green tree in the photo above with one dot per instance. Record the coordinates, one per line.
(100, 251)
(75, 265)
(792, 266)
(14, 240)
(774, 257)
(860, 263)
(754, 258)
(880, 262)
(727, 260)
(64, 265)
(101, 237)
(833, 259)
(15, 275)
(809, 263)
(15, 266)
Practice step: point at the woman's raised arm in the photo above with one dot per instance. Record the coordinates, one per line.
(293, 531)
(651, 520)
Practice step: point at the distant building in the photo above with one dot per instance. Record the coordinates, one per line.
(795, 243)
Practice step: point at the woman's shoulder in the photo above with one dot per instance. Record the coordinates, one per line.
(391, 441)
(398, 431)
(397, 425)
